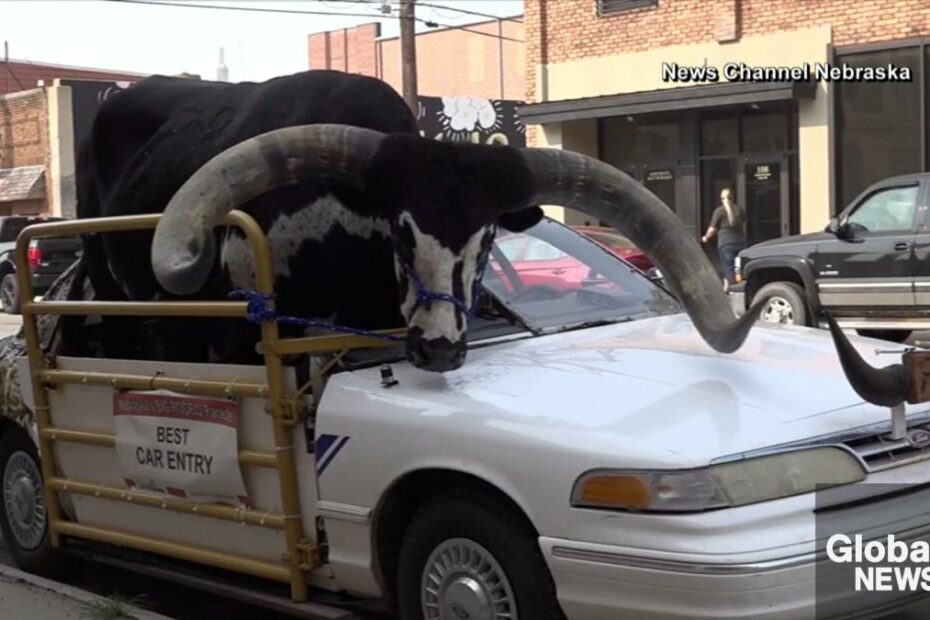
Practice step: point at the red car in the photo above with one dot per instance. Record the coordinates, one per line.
(618, 244)
(539, 264)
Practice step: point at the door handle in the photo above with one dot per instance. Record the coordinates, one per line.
(902, 245)
(558, 272)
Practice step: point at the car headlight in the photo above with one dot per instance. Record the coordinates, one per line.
(735, 483)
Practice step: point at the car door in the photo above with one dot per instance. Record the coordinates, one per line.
(922, 249)
(872, 265)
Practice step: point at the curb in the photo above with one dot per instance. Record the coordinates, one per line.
(14, 575)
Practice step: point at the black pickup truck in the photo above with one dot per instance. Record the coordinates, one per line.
(48, 258)
(870, 266)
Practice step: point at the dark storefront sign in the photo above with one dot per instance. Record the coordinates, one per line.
(468, 119)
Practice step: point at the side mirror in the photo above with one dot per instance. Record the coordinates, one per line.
(841, 228)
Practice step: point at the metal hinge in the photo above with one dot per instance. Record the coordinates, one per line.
(307, 557)
(293, 411)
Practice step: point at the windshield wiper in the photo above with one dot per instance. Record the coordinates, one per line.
(597, 323)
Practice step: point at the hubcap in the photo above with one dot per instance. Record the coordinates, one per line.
(463, 581)
(23, 500)
(778, 310)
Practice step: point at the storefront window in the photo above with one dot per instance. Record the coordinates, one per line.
(630, 142)
(720, 136)
(765, 132)
(879, 123)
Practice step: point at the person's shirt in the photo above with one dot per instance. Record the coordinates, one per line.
(728, 233)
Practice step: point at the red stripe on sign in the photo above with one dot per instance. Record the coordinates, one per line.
(176, 492)
(214, 411)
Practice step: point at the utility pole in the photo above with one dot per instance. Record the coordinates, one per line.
(408, 53)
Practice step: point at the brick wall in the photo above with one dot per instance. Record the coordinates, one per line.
(564, 30)
(24, 139)
(24, 129)
(350, 49)
(18, 76)
(450, 62)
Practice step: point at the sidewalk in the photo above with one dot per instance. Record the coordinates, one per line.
(27, 597)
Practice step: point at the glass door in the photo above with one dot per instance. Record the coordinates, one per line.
(764, 194)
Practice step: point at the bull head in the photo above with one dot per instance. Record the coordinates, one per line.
(442, 201)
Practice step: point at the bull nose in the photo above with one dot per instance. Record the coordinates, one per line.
(435, 354)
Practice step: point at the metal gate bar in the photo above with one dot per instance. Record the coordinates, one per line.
(255, 458)
(228, 561)
(300, 555)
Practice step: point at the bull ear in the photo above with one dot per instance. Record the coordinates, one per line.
(521, 220)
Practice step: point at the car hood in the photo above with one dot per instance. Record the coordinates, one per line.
(653, 384)
(777, 244)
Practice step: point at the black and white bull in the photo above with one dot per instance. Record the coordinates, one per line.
(331, 167)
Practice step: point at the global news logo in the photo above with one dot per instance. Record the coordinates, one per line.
(883, 565)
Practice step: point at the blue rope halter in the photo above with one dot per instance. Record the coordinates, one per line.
(425, 295)
(258, 310)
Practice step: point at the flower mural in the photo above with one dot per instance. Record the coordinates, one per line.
(469, 119)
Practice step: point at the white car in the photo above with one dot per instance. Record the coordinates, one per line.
(593, 457)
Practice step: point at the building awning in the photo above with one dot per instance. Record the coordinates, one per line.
(22, 183)
(664, 100)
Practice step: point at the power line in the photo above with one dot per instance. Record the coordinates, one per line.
(306, 12)
(518, 19)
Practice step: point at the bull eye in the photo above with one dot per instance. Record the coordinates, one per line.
(407, 242)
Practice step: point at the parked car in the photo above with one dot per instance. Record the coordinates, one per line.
(48, 259)
(870, 267)
(618, 244)
(594, 454)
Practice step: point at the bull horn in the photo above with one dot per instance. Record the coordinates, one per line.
(593, 187)
(184, 250)
(886, 386)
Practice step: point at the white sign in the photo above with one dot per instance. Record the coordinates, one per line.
(179, 445)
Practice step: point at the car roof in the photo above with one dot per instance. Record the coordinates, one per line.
(914, 177)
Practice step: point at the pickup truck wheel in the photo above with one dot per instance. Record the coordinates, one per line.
(785, 304)
(9, 294)
(23, 519)
(892, 335)
(467, 554)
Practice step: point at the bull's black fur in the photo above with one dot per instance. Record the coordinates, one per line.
(147, 141)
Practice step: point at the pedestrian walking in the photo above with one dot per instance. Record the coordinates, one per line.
(728, 224)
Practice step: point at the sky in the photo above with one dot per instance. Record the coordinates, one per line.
(141, 38)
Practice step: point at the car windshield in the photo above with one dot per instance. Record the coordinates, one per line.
(552, 278)
(549, 279)
(11, 227)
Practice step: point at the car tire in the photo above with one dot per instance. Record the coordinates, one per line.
(468, 529)
(785, 303)
(9, 294)
(891, 335)
(23, 518)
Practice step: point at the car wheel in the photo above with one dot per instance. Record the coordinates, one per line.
(23, 518)
(9, 294)
(785, 303)
(468, 554)
(892, 335)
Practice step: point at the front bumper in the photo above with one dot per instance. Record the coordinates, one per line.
(599, 582)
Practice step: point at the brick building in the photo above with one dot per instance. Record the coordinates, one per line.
(37, 133)
(451, 62)
(605, 77)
